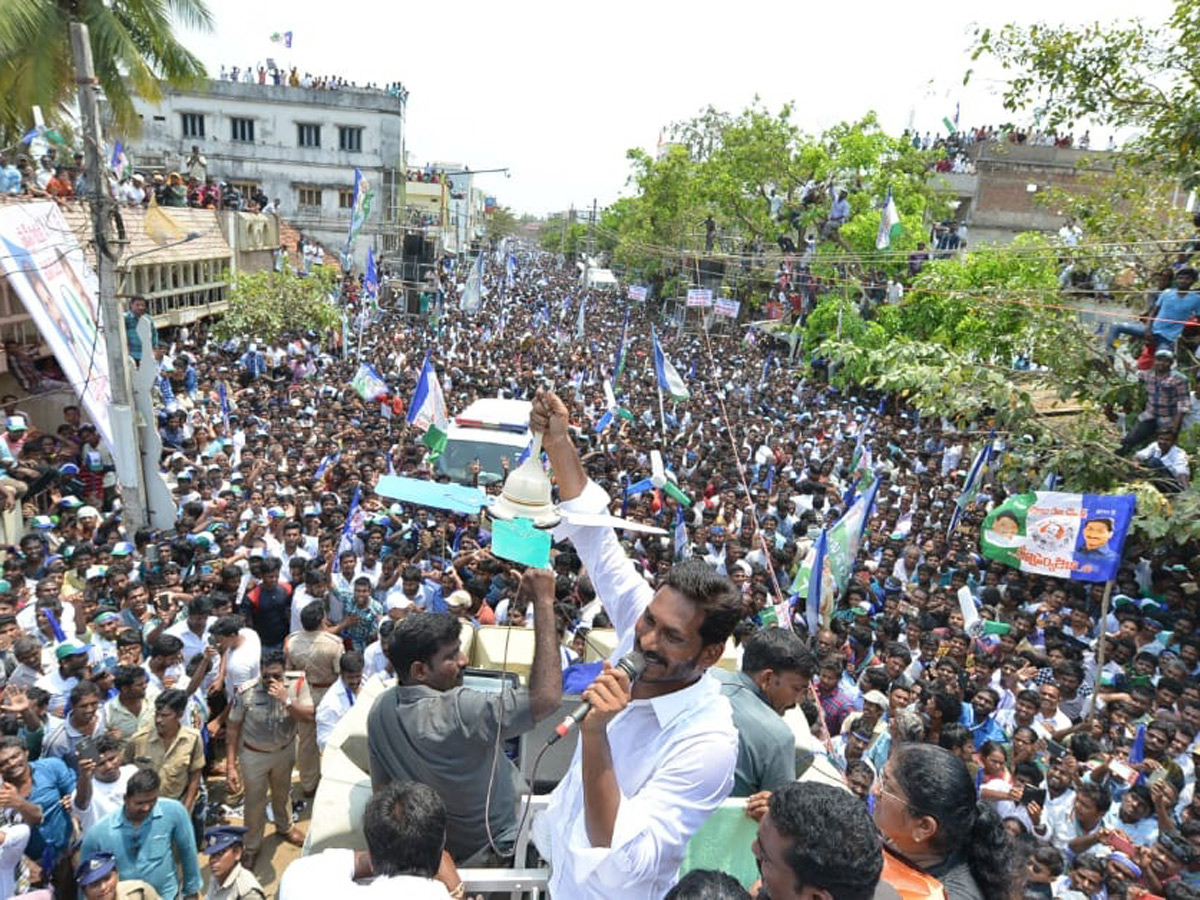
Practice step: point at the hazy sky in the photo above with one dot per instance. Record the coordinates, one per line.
(558, 96)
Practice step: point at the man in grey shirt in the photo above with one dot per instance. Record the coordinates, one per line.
(776, 671)
(431, 729)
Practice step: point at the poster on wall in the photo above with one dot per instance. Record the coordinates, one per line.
(45, 267)
(1076, 536)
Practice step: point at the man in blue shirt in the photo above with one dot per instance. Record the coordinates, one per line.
(35, 791)
(1175, 306)
(149, 837)
(979, 717)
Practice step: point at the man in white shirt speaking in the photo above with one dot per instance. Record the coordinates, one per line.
(654, 762)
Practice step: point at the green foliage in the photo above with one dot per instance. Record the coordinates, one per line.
(266, 305)
(501, 223)
(552, 237)
(727, 166)
(134, 49)
(1130, 75)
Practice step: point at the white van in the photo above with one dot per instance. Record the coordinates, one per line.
(485, 431)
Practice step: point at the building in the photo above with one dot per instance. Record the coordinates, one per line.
(1001, 199)
(299, 145)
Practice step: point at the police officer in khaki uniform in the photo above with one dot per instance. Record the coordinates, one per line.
(262, 738)
(315, 652)
(97, 879)
(230, 879)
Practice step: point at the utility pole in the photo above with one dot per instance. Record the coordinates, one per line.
(592, 230)
(128, 449)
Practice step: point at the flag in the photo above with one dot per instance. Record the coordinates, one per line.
(526, 453)
(681, 535)
(510, 272)
(428, 410)
(325, 464)
(766, 372)
(971, 487)
(391, 462)
(770, 482)
(949, 123)
(371, 278)
(224, 405)
(668, 378)
(619, 365)
(360, 204)
(889, 224)
(472, 296)
(347, 540)
(119, 162)
(579, 319)
(816, 580)
(1137, 751)
(367, 383)
(610, 410)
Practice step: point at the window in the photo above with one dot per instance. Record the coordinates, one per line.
(193, 124)
(308, 135)
(350, 139)
(310, 196)
(346, 199)
(241, 130)
(245, 188)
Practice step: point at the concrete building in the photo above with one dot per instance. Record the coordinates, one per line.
(1001, 199)
(299, 145)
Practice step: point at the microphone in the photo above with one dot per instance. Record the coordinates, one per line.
(632, 664)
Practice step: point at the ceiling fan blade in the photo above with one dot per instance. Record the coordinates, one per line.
(601, 520)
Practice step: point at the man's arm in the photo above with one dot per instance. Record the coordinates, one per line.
(549, 416)
(545, 676)
(184, 839)
(608, 694)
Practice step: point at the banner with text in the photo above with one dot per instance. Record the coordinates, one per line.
(699, 297)
(1076, 536)
(636, 292)
(45, 267)
(726, 307)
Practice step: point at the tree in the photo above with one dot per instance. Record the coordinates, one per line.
(759, 177)
(501, 223)
(1133, 75)
(134, 49)
(263, 306)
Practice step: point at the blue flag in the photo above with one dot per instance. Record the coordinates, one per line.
(1137, 752)
(681, 535)
(371, 278)
(224, 405)
(812, 608)
(971, 487)
(347, 541)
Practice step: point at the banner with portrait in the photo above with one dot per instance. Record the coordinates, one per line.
(1076, 536)
(45, 267)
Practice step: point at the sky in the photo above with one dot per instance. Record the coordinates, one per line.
(558, 95)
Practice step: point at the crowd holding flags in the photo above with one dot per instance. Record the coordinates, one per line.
(668, 377)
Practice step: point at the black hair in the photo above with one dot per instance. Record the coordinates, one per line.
(351, 663)
(143, 781)
(312, 615)
(174, 699)
(1097, 793)
(418, 637)
(273, 658)
(124, 676)
(714, 595)
(947, 704)
(778, 649)
(226, 626)
(166, 645)
(938, 784)
(405, 828)
(83, 689)
(1050, 857)
(108, 743)
(707, 884)
(845, 861)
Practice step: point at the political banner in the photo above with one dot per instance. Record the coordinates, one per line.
(699, 297)
(636, 292)
(45, 267)
(1076, 536)
(726, 307)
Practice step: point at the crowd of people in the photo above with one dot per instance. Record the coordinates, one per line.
(160, 684)
(269, 73)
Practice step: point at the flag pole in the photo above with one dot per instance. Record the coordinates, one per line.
(662, 418)
(1108, 587)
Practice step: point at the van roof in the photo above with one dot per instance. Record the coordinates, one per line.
(496, 413)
